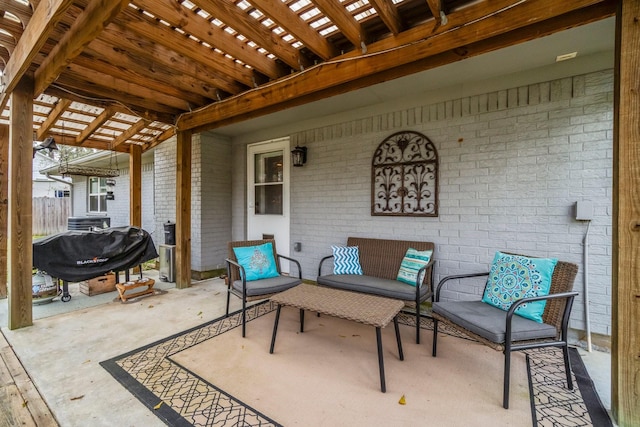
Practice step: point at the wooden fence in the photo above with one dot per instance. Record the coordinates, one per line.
(50, 215)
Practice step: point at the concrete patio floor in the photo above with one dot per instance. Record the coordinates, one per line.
(62, 350)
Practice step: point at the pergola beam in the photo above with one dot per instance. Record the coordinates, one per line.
(183, 210)
(127, 134)
(152, 55)
(84, 29)
(94, 125)
(160, 138)
(625, 354)
(289, 20)
(204, 30)
(351, 29)
(43, 22)
(327, 77)
(52, 118)
(19, 244)
(231, 15)
(388, 12)
(135, 185)
(4, 195)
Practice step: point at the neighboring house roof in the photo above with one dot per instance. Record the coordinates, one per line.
(42, 162)
(100, 159)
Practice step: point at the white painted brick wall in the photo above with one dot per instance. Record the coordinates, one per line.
(118, 209)
(215, 221)
(210, 197)
(512, 164)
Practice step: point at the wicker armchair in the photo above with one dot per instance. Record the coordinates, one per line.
(503, 331)
(256, 289)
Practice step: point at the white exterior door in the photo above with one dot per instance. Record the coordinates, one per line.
(268, 193)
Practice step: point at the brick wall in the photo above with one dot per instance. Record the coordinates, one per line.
(513, 163)
(210, 197)
(215, 203)
(165, 186)
(118, 209)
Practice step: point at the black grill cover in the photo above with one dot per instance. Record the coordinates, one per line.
(80, 255)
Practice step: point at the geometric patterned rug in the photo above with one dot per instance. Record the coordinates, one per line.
(179, 397)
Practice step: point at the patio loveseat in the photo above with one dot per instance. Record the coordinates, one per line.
(380, 262)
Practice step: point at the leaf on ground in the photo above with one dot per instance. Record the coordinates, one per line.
(86, 361)
(151, 306)
(25, 403)
(402, 400)
(158, 405)
(199, 314)
(77, 397)
(342, 336)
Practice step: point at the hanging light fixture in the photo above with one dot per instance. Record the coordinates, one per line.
(299, 156)
(48, 144)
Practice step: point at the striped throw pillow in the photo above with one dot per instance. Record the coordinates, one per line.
(346, 260)
(412, 262)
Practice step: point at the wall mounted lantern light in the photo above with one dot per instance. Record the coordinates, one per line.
(299, 156)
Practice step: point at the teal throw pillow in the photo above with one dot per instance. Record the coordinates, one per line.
(513, 277)
(412, 262)
(258, 261)
(346, 260)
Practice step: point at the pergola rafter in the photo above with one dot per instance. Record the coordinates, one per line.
(125, 76)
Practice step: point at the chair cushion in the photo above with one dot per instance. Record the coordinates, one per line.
(267, 286)
(513, 277)
(490, 322)
(412, 262)
(373, 285)
(258, 261)
(346, 260)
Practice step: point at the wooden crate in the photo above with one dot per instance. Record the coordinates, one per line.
(99, 285)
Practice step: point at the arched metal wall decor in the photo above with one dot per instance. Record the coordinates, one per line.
(404, 176)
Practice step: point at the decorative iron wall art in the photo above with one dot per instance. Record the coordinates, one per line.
(404, 176)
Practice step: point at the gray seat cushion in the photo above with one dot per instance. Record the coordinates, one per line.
(267, 286)
(490, 322)
(373, 285)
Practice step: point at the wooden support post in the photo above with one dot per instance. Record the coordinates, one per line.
(183, 210)
(135, 185)
(20, 248)
(4, 197)
(625, 360)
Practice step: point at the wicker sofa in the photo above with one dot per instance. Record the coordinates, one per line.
(380, 260)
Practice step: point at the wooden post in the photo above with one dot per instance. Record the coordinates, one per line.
(625, 360)
(4, 197)
(135, 185)
(20, 253)
(183, 210)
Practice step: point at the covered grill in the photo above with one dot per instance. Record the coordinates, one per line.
(74, 256)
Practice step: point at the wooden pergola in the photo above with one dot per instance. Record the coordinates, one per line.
(127, 75)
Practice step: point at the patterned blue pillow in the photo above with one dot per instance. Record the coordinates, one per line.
(346, 260)
(412, 262)
(513, 277)
(258, 261)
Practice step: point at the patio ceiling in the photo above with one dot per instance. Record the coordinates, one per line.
(110, 73)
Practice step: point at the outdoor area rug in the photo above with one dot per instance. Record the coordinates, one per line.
(328, 375)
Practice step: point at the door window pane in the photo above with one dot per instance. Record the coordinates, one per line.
(268, 183)
(268, 167)
(269, 199)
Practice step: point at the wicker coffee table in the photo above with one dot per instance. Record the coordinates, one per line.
(362, 308)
